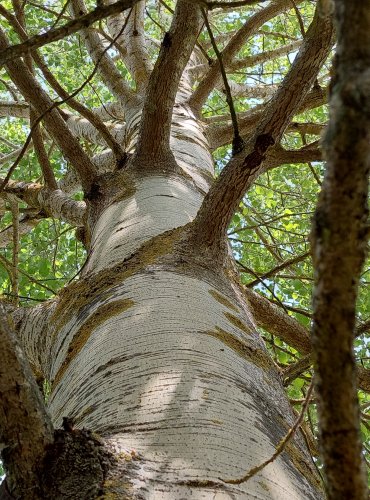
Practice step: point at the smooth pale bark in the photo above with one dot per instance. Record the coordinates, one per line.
(158, 353)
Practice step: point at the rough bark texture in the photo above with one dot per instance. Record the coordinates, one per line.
(339, 243)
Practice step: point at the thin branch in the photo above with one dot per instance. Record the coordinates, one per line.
(299, 17)
(10, 266)
(84, 21)
(250, 27)
(14, 207)
(238, 142)
(275, 270)
(280, 447)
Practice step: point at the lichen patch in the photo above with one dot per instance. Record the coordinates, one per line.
(101, 315)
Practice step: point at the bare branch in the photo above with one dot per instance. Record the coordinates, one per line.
(55, 124)
(74, 104)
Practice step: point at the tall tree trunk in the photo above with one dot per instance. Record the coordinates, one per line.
(155, 349)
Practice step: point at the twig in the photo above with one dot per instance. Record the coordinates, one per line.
(280, 447)
(14, 207)
(238, 142)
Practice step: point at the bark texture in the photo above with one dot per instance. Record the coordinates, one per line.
(339, 243)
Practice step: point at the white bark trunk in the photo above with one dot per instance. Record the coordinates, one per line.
(160, 355)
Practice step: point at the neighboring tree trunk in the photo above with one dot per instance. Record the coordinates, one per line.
(340, 238)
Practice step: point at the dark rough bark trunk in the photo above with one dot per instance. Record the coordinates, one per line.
(340, 234)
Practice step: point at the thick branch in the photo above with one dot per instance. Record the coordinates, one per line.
(54, 203)
(277, 322)
(25, 428)
(339, 245)
(277, 156)
(210, 225)
(176, 48)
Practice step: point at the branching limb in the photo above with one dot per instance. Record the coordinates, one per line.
(339, 235)
(176, 48)
(251, 26)
(73, 103)
(219, 205)
(54, 122)
(25, 428)
(110, 74)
